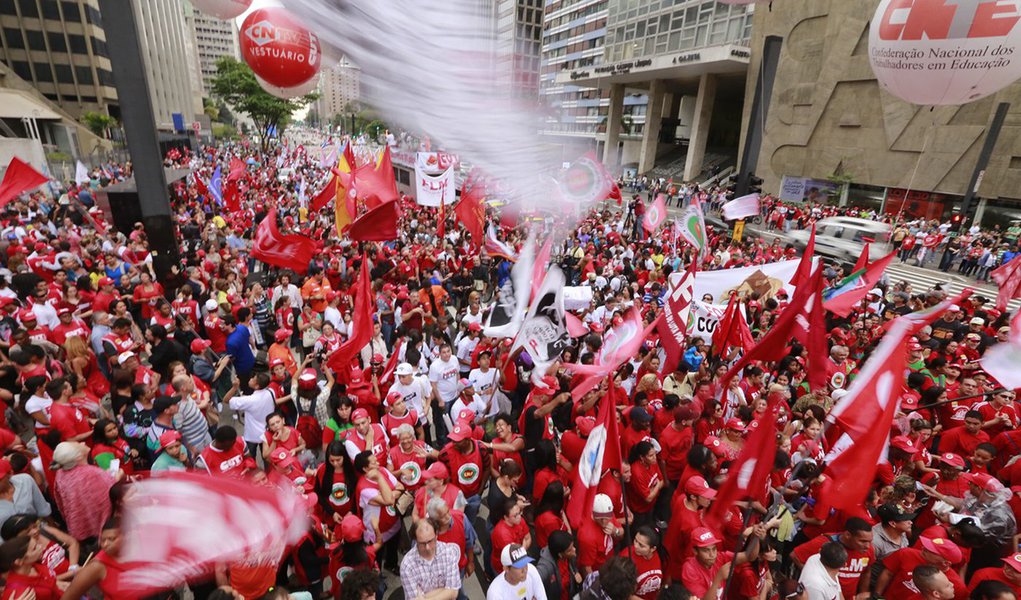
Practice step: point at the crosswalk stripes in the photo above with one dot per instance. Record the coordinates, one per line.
(922, 280)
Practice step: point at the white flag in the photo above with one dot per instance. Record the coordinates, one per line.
(81, 174)
(1003, 361)
(512, 299)
(742, 207)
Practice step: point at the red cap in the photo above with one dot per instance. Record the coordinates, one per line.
(951, 459)
(307, 379)
(7, 301)
(1014, 560)
(698, 486)
(26, 314)
(276, 362)
(596, 327)
(168, 438)
(585, 425)
(946, 549)
(105, 281)
(437, 470)
(904, 443)
(462, 431)
(359, 413)
(283, 334)
(199, 345)
(467, 415)
(985, 481)
(548, 385)
(351, 528)
(63, 310)
(736, 425)
(703, 537)
(713, 443)
(474, 326)
(377, 359)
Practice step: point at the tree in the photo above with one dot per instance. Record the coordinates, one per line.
(375, 129)
(235, 83)
(97, 122)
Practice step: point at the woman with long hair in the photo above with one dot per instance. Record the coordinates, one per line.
(549, 513)
(377, 493)
(339, 424)
(646, 482)
(108, 446)
(334, 484)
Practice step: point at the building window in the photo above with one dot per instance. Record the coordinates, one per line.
(99, 47)
(28, 8)
(50, 10)
(43, 73)
(36, 40)
(105, 77)
(92, 16)
(77, 44)
(57, 42)
(64, 74)
(21, 69)
(7, 7)
(14, 38)
(84, 75)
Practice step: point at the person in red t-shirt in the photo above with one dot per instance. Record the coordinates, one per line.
(512, 529)
(646, 482)
(64, 417)
(857, 540)
(701, 571)
(225, 457)
(597, 536)
(647, 563)
(1009, 573)
(894, 581)
(964, 439)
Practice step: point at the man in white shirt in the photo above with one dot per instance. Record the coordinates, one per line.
(819, 576)
(519, 580)
(483, 379)
(443, 374)
(286, 288)
(416, 390)
(465, 347)
(255, 407)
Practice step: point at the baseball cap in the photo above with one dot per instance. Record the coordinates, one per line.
(914, 346)
(169, 438)
(951, 459)
(954, 308)
(974, 337)
(892, 512)
(211, 305)
(878, 293)
(985, 481)
(703, 537)
(162, 403)
(902, 442)
(276, 362)
(359, 413)
(977, 321)
(698, 486)
(392, 397)
(351, 528)
(198, 345)
(547, 385)
(474, 326)
(63, 310)
(467, 415)
(308, 378)
(639, 415)
(283, 334)
(26, 314)
(585, 425)
(404, 369)
(946, 549)
(736, 425)
(437, 470)
(105, 281)
(377, 359)
(602, 506)
(461, 431)
(465, 384)
(125, 356)
(514, 555)
(1014, 560)
(713, 443)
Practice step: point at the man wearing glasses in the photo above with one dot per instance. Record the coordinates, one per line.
(429, 571)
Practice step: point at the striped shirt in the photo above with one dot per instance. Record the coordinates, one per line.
(192, 424)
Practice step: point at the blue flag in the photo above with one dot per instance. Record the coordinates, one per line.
(216, 186)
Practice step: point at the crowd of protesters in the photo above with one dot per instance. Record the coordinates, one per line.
(439, 454)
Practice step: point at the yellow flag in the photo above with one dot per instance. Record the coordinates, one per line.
(342, 216)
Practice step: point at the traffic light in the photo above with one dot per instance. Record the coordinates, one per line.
(730, 184)
(754, 184)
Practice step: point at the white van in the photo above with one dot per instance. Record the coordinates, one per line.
(844, 238)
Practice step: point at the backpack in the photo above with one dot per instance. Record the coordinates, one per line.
(309, 428)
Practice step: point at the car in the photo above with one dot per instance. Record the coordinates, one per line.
(844, 238)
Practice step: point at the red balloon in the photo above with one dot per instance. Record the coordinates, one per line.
(279, 48)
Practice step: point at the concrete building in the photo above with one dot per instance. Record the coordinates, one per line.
(338, 87)
(59, 48)
(828, 120)
(213, 39)
(688, 59)
(167, 53)
(518, 39)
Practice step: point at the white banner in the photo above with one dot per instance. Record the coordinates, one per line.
(436, 163)
(431, 190)
(704, 318)
(740, 208)
(765, 279)
(577, 297)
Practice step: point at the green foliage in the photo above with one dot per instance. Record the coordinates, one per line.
(375, 128)
(97, 122)
(235, 83)
(222, 131)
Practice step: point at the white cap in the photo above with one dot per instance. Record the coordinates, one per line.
(405, 369)
(877, 292)
(602, 506)
(125, 356)
(211, 305)
(977, 321)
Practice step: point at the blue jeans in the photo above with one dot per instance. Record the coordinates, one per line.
(471, 511)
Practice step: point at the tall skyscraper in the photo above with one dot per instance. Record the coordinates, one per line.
(213, 39)
(60, 49)
(168, 53)
(338, 87)
(518, 38)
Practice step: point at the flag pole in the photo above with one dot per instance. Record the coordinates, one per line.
(740, 544)
(620, 473)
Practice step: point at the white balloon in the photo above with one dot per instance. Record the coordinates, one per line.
(953, 54)
(222, 9)
(290, 92)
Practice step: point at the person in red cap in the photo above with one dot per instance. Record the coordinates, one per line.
(348, 552)
(171, 454)
(280, 350)
(366, 435)
(397, 414)
(469, 464)
(1009, 573)
(436, 484)
(894, 581)
(69, 326)
(686, 517)
(902, 451)
(701, 570)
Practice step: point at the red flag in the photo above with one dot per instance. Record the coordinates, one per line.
(864, 418)
(575, 328)
(19, 177)
(810, 330)
(441, 228)
(615, 193)
(375, 184)
(349, 156)
(470, 210)
(863, 260)
(377, 225)
(178, 527)
(805, 266)
(328, 193)
(231, 201)
(237, 169)
(391, 365)
(732, 329)
(1007, 277)
(655, 215)
(748, 475)
(200, 185)
(601, 452)
(361, 323)
(673, 327)
(773, 345)
(290, 251)
(845, 295)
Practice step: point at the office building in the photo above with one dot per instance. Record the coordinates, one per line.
(829, 121)
(670, 77)
(518, 40)
(59, 48)
(213, 39)
(164, 36)
(339, 90)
